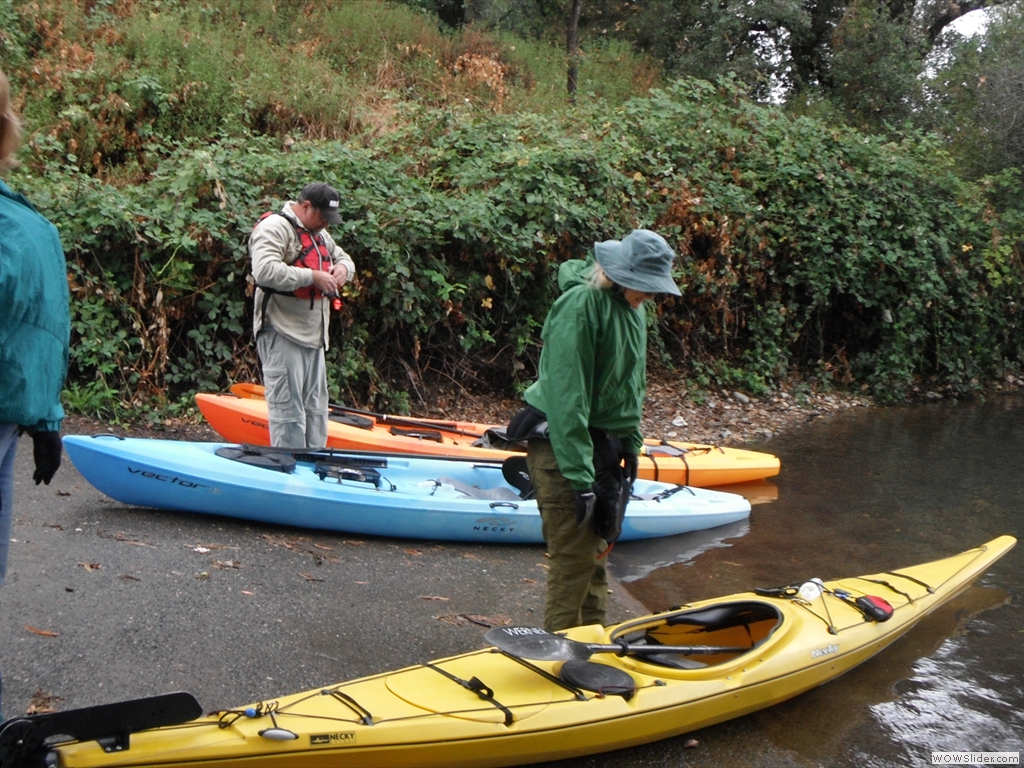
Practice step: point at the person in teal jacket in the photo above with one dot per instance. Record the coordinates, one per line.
(35, 326)
(591, 386)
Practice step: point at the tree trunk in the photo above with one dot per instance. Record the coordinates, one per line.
(571, 47)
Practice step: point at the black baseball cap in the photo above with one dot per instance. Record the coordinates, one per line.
(324, 198)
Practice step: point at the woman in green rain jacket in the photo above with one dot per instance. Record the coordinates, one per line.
(591, 387)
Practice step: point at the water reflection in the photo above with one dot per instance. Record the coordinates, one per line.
(866, 491)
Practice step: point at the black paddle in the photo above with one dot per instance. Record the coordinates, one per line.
(538, 645)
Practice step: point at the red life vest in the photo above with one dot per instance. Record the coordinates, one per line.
(313, 254)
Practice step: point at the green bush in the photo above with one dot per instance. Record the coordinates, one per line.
(804, 248)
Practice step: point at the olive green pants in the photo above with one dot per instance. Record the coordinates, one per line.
(577, 590)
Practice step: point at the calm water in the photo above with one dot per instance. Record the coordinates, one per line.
(866, 491)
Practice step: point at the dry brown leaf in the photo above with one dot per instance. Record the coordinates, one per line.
(129, 577)
(324, 546)
(42, 703)
(91, 566)
(530, 581)
(471, 556)
(222, 564)
(43, 632)
(413, 552)
(352, 543)
(433, 597)
(310, 577)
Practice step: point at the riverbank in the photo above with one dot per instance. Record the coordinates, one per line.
(672, 412)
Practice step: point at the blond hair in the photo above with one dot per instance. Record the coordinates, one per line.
(10, 126)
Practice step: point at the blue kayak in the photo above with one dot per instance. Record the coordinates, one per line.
(370, 494)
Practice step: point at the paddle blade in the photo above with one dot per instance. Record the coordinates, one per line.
(536, 644)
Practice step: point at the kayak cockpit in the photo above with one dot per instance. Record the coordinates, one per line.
(735, 627)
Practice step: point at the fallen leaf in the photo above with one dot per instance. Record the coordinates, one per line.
(129, 577)
(309, 577)
(471, 556)
(42, 703)
(353, 543)
(247, 592)
(227, 564)
(530, 581)
(324, 546)
(43, 632)
(433, 597)
(63, 493)
(201, 550)
(91, 566)
(690, 743)
(413, 552)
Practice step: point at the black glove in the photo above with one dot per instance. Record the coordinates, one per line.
(632, 462)
(585, 501)
(46, 450)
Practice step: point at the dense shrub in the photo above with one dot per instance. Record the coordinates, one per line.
(804, 248)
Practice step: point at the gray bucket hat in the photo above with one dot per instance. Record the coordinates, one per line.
(642, 260)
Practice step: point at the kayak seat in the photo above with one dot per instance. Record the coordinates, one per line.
(351, 420)
(266, 459)
(475, 492)
(739, 614)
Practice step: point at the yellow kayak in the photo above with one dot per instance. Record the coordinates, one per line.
(241, 417)
(536, 697)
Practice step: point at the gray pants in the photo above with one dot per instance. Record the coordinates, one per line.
(295, 378)
(577, 579)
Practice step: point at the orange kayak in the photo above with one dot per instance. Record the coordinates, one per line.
(241, 417)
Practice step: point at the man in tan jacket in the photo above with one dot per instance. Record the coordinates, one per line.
(299, 271)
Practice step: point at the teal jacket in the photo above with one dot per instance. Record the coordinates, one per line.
(593, 371)
(35, 320)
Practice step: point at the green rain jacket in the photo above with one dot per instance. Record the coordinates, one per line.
(35, 322)
(593, 371)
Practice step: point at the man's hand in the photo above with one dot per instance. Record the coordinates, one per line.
(340, 272)
(46, 448)
(585, 502)
(325, 282)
